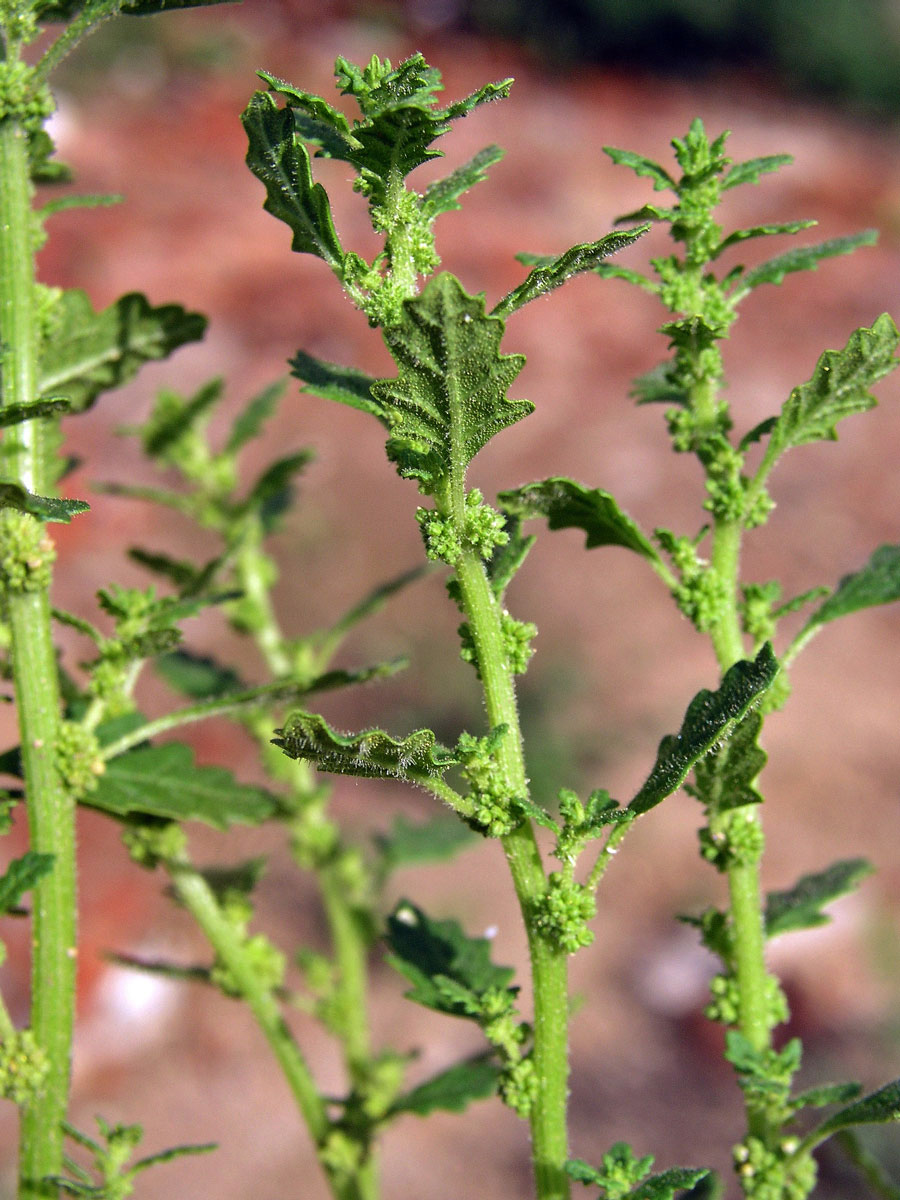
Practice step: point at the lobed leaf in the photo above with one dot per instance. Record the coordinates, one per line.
(574, 261)
(164, 781)
(436, 955)
(838, 388)
(45, 508)
(449, 397)
(726, 778)
(452, 1090)
(281, 162)
(315, 120)
(751, 170)
(346, 385)
(801, 906)
(92, 352)
(372, 754)
(802, 258)
(570, 505)
(662, 180)
(710, 717)
(755, 231)
(878, 582)
(20, 877)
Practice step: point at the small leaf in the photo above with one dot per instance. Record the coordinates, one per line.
(825, 1094)
(508, 558)
(14, 414)
(147, 8)
(45, 508)
(803, 258)
(187, 577)
(163, 781)
(249, 422)
(751, 170)
(801, 906)
(197, 677)
(755, 231)
(662, 180)
(452, 1090)
(570, 505)
(270, 495)
(838, 388)
(449, 398)
(174, 416)
(878, 582)
(586, 257)
(442, 196)
(431, 954)
(877, 1108)
(664, 1185)
(372, 754)
(726, 777)
(710, 717)
(20, 877)
(347, 385)
(408, 844)
(281, 162)
(89, 352)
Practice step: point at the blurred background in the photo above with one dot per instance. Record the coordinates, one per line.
(149, 108)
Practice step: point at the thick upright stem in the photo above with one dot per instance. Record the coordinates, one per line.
(549, 972)
(50, 809)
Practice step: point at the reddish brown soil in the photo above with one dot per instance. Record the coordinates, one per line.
(616, 665)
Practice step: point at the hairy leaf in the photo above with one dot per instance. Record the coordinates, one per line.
(90, 352)
(751, 170)
(662, 180)
(549, 275)
(506, 559)
(435, 955)
(408, 843)
(449, 397)
(801, 906)
(45, 508)
(372, 754)
(280, 161)
(878, 582)
(803, 258)
(838, 388)
(570, 505)
(20, 877)
(452, 1090)
(826, 1093)
(726, 777)
(443, 195)
(710, 717)
(347, 385)
(755, 231)
(164, 781)
(875, 1109)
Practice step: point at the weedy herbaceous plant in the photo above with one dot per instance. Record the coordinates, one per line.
(84, 741)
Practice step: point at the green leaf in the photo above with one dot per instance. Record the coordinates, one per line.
(411, 843)
(662, 180)
(801, 906)
(15, 414)
(839, 387)
(44, 168)
(188, 578)
(755, 231)
(148, 8)
(89, 352)
(802, 258)
(443, 195)
(45, 508)
(249, 423)
(314, 118)
(281, 162)
(174, 416)
(751, 170)
(570, 505)
(434, 954)
(877, 1108)
(878, 582)
(586, 257)
(20, 877)
(825, 1094)
(710, 717)
(372, 754)
(197, 677)
(726, 777)
(664, 1185)
(270, 495)
(452, 1090)
(163, 781)
(347, 385)
(449, 398)
(506, 559)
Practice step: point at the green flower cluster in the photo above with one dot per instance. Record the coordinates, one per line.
(564, 910)
(767, 1174)
(23, 1068)
(26, 552)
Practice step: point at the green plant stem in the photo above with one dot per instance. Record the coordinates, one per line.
(50, 809)
(549, 967)
(198, 898)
